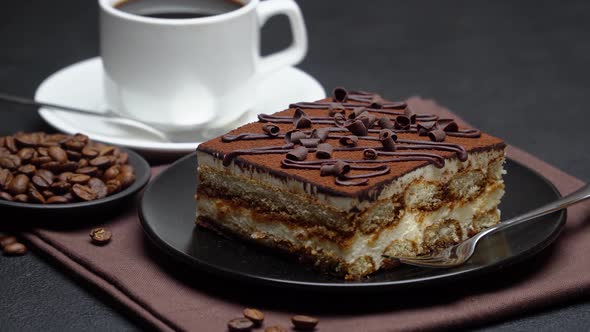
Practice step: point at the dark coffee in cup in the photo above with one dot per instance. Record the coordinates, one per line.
(177, 9)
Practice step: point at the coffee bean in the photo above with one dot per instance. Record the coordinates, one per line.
(26, 140)
(4, 151)
(65, 176)
(81, 138)
(58, 154)
(15, 249)
(57, 138)
(83, 163)
(5, 196)
(10, 162)
(302, 322)
(36, 197)
(7, 240)
(113, 186)
(83, 192)
(111, 172)
(2, 141)
(126, 179)
(46, 175)
(98, 187)
(255, 315)
(18, 185)
(21, 198)
(275, 328)
(100, 235)
(240, 324)
(57, 200)
(75, 145)
(89, 170)
(38, 161)
(60, 187)
(43, 152)
(27, 169)
(10, 144)
(40, 182)
(26, 154)
(79, 178)
(47, 193)
(5, 177)
(74, 155)
(102, 162)
(106, 151)
(89, 152)
(123, 158)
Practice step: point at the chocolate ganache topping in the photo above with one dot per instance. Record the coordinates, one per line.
(354, 117)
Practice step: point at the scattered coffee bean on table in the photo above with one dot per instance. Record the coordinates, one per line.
(7, 240)
(275, 328)
(255, 315)
(240, 324)
(15, 249)
(46, 168)
(100, 235)
(306, 323)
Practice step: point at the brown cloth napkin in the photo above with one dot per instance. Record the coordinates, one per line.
(135, 274)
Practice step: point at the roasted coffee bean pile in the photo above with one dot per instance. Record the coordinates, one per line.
(253, 318)
(56, 168)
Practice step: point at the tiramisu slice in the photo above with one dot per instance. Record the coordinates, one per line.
(348, 181)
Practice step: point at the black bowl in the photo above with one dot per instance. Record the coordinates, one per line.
(99, 207)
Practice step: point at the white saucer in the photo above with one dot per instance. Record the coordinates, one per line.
(80, 85)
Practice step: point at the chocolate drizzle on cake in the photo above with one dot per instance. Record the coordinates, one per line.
(353, 117)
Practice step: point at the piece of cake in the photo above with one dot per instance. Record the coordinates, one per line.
(350, 181)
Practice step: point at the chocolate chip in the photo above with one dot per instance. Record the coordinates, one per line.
(310, 142)
(15, 249)
(83, 193)
(367, 119)
(410, 114)
(387, 139)
(271, 130)
(425, 127)
(340, 94)
(302, 322)
(402, 122)
(240, 324)
(294, 136)
(336, 108)
(336, 169)
(299, 153)
(357, 112)
(321, 133)
(385, 123)
(437, 135)
(448, 125)
(255, 315)
(357, 128)
(339, 120)
(349, 141)
(100, 235)
(303, 122)
(370, 154)
(324, 151)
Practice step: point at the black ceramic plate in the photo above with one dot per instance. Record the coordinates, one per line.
(167, 214)
(102, 206)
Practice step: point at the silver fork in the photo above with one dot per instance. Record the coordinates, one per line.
(460, 253)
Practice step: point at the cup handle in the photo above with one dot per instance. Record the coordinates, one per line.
(297, 50)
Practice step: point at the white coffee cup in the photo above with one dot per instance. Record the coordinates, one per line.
(179, 74)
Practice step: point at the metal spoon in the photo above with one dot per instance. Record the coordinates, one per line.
(460, 253)
(108, 115)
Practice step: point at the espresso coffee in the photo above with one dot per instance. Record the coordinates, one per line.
(177, 9)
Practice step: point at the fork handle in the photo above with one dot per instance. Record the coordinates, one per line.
(573, 198)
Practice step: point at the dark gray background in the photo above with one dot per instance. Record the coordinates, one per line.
(518, 70)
